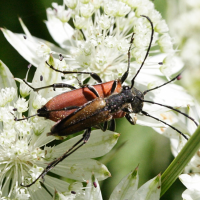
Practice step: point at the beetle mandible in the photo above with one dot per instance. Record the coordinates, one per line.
(90, 106)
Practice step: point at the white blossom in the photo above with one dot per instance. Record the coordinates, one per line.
(22, 160)
(97, 41)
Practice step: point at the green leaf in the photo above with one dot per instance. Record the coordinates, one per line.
(179, 163)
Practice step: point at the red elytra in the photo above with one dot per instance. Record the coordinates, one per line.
(79, 97)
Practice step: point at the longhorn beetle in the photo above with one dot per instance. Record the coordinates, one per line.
(90, 106)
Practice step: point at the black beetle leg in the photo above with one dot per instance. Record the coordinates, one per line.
(112, 125)
(132, 120)
(54, 86)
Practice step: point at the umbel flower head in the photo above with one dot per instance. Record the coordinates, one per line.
(184, 23)
(185, 28)
(22, 159)
(93, 36)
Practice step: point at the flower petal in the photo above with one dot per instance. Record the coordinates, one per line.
(6, 77)
(54, 183)
(192, 181)
(81, 169)
(28, 47)
(98, 145)
(191, 195)
(127, 187)
(92, 192)
(25, 47)
(150, 190)
(61, 32)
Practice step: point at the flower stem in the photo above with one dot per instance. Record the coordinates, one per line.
(179, 163)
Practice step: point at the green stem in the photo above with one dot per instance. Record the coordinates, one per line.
(179, 163)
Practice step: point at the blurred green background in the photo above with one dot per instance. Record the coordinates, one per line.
(142, 147)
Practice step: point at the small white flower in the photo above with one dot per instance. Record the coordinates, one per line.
(162, 27)
(38, 102)
(71, 3)
(21, 105)
(165, 43)
(87, 10)
(7, 95)
(105, 22)
(80, 22)
(61, 13)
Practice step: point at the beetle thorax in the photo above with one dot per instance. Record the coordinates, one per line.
(127, 98)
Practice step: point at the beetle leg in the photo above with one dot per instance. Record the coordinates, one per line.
(105, 126)
(92, 89)
(148, 115)
(54, 86)
(132, 120)
(75, 147)
(92, 74)
(112, 125)
(114, 85)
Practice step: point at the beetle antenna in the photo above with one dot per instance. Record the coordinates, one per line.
(174, 109)
(146, 91)
(26, 117)
(147, 53)
(125, 75)
(148, 115)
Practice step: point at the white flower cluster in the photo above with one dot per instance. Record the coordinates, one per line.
(21, 158)
(184, 23)
(185, 28)
(94, 36)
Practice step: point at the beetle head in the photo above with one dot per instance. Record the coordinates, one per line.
(137, 104)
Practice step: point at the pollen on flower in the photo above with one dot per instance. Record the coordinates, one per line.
(167, 116)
